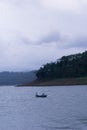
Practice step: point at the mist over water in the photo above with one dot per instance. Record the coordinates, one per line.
(65, 108)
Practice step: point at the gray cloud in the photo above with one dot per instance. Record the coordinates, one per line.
(52, 37)
(79, 42)
(20, 53)
(37, 26)
(16, 2)
(21, 39)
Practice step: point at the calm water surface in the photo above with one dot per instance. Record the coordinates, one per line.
(65, 108)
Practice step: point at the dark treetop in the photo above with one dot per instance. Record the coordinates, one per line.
(65, 67)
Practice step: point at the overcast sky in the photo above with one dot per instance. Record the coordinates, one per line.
(34, 32)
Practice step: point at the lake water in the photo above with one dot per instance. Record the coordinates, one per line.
(65, 108)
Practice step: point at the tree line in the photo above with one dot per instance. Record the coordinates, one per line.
(66, 67)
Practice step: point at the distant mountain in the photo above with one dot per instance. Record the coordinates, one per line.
(16, 78)
(70, 66)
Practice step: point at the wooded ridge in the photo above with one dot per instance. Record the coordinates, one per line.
(70, 66)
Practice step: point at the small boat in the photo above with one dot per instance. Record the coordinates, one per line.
(41, 96)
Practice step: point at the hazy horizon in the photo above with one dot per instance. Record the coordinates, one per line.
(33, 33)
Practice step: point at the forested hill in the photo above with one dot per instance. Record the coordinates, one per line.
(65, 67)
(16, 78)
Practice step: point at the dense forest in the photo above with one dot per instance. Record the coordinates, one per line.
(65, 67)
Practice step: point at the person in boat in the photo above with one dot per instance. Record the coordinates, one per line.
(42, 95)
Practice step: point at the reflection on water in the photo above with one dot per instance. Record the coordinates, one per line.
(65, 108)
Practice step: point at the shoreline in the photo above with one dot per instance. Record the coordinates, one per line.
(56, 82)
